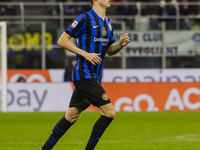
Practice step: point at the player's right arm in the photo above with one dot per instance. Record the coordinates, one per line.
(64, 41)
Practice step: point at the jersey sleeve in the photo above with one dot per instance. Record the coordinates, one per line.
(77, 27)
(111, 38)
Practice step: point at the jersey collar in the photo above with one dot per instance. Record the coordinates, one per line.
(97, 15)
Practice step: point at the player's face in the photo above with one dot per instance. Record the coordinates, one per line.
(104, 3)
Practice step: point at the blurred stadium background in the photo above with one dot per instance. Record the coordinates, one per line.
(158, 71)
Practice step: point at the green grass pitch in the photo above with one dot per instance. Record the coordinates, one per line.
(129, 131)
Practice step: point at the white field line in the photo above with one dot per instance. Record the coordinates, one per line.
(190, 137)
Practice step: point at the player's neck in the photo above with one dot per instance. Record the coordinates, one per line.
(101, 12)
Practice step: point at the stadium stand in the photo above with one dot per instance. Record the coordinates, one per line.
(58, 13)
(129, 9)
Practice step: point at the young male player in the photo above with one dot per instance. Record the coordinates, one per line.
(94, 33)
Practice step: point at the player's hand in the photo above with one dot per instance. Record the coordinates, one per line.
(93, 58)
(124, 39)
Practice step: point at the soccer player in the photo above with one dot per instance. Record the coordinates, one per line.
(94, 33)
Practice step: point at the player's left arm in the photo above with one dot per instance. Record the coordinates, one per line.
(124, 40)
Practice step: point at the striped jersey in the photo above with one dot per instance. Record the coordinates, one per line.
(94, 35)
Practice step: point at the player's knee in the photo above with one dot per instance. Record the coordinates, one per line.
(72, 114)
(72, 118)
(111, 114)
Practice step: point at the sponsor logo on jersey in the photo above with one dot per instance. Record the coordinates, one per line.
(103, 40)
(74, 24)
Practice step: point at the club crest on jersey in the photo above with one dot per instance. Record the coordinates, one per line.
(104, 32)
(105, 97)
(110, 27)
(74, 24)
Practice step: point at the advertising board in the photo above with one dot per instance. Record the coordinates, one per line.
(112, 75)
(30, 97)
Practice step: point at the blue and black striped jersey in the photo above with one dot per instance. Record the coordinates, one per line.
(94, 35)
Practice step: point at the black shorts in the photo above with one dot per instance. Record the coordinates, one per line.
(87, 92)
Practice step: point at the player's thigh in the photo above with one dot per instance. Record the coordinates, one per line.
(92, 90)
(73, 113)
(107, 110)
(77, 100)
